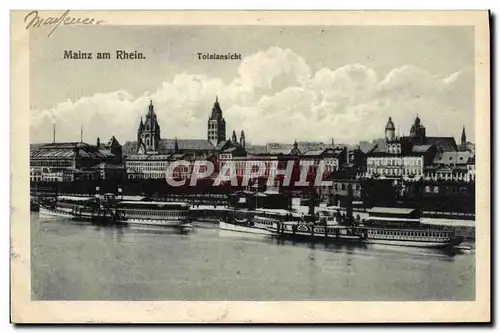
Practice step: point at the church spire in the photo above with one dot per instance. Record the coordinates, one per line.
(242, 139)
(463, 139)
(234, 139)
(176, 146)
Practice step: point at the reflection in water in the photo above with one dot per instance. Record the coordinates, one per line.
(74, 260)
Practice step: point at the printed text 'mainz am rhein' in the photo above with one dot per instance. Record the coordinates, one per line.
(119, 54)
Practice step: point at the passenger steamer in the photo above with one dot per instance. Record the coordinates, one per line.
(154, 213)
(77, 208)
(112, 211)
(402, 227)
(324, 225)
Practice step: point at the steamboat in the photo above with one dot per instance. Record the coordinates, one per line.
(245, 216)
(155, 213)
(258, 221)
(78, 208)
(323, 225)
(401, 226)
(111, 210)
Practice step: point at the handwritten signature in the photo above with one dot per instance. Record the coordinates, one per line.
(33, 20)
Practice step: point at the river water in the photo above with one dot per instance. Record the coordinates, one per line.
(78, 261)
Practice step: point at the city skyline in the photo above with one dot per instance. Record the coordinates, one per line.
(280, 91)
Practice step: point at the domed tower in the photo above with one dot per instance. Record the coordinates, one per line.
(390, 130)
(216, 125)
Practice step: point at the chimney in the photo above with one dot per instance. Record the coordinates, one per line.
(98, 143)
(54, 133)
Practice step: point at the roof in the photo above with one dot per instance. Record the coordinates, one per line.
(221, 145)
(445, 143)
(313, 152)
(106, 153)
(67, 150)
(149, 157)
(230, 149)
(303, 146)
(113, 142)
(421, 148)
(391, 210)
(185, 144)
(256, 149)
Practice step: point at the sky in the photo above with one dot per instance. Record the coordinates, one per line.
(304, 83)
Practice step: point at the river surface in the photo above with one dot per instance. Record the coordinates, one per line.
(78, 261)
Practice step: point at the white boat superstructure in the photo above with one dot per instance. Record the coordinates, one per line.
(156, 213)
(402, 227)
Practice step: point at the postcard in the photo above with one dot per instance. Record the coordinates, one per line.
(250, 166)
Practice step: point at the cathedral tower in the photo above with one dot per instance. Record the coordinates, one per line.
(216, 125)
(148, 133)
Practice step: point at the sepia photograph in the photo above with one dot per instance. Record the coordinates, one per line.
(256, 161)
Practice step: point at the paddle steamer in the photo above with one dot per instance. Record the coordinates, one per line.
(112, 210)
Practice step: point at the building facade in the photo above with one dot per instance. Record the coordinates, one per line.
(71, 161)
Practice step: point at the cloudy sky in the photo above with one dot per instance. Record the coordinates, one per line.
(292, 83)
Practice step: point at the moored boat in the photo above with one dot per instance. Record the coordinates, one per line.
(402, 227)
(324, 225)
(78, 208)
(247, 221)
(155, 213)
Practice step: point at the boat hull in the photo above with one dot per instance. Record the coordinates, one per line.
(244, 229)
(175, 224)
(61, 213)
(417, 243)
(82, 216)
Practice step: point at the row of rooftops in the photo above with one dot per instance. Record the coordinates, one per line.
(69, 150)
(168, 145)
